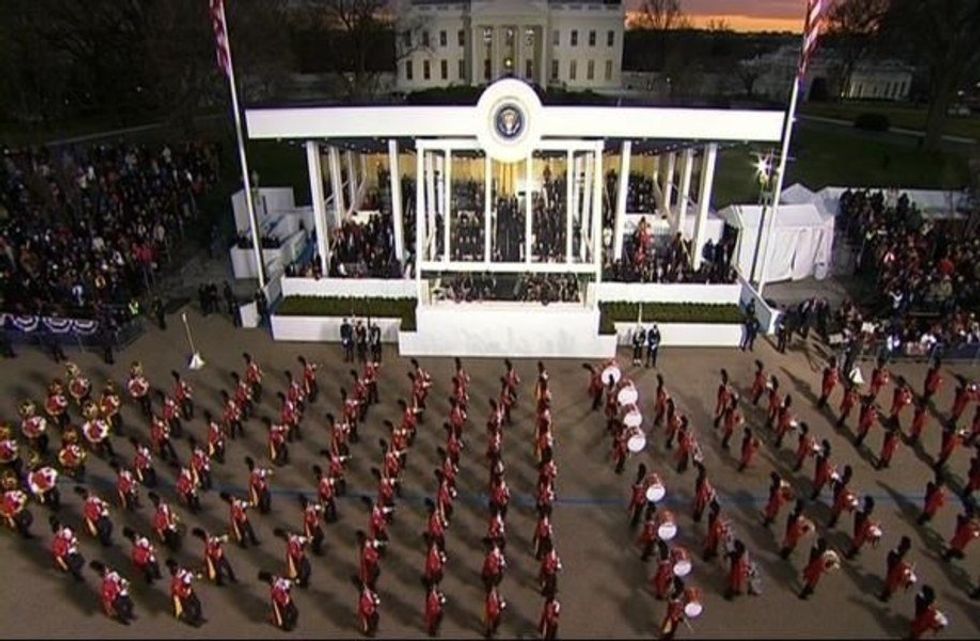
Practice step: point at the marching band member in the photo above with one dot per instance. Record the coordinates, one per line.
(935, 498)
(823, 471)
(109, 406)
(663, 576)
(9, 447)
(494, 564)
(648, 535)
(253, 376)
(435, 561)
(493, 609)
(183, 394)
(170, 412)
(95, 511)
(370, 377)
(774, 401)
(436, 523)
(864, 528)
(310, 387)
(675, 611)
(595, 385)
(241, 525)
(967, 529)
(56, 404)
(928, 618)
(278, 433)
(806, 446)
(127, 487)
(851, 398)
(660, 404)
(143, 464)
(900, 574)
(64, 549)
(918, 421)
(497, 529)
(780, 492)
(543, 533)
(326, 492)
(844, 498)
(143, 555)
(96, 430)
(550, 567)
(351, 413)
(548, 622)
(687, 446)
(242, 395)
(822, 560)
(512, 379)
(160, 437)
(719, 531)
(758, 383)
(951, 439)
(880, 376)
(435, 601)
(215, 562)
(186, 605)
(739, 570)
(216, 438)
(114, 594)
(200, 465)
(901, 398)
(312, 513)
(723, 397)
(750, 445)
(285, 614)
(71, 456)
(973, 476)
(13, 506)
(369, 551)
(867, 417)
(731, 421)
(784, 419)
(888, 445)
(290, 416)
(704, 492)
(797, 526)
(139, 388)
(368, 605)
(933, 381)
(79, 386)
(258, 486)
(42, 481)
(231, 415)
(638, 498)
(34, 427)
(165, 522)
(186, 488)
(830, 378)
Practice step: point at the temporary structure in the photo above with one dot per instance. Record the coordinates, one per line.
(802, 241)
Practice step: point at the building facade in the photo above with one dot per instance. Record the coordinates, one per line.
(558, 43)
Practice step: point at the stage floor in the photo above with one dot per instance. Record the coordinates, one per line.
(604, 586)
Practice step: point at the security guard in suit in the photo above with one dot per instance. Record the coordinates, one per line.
(639, 337)
(653, 345)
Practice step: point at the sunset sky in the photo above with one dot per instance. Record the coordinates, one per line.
(744, 15)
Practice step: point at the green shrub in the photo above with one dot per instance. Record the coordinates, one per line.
(626, 312)
(872, 122)
(403, 308)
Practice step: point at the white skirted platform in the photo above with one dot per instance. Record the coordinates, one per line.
(501, 329)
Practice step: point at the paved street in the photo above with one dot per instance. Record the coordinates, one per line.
(604, 586)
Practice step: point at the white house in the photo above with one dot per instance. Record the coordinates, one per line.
(573, 44)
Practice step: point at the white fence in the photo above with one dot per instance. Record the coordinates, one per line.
(352, 287)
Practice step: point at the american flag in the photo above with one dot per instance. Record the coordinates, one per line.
(812, 29)
(220, 27)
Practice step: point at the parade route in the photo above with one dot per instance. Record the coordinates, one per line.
(603, 588)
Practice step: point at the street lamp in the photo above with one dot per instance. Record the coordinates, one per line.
(764, 174)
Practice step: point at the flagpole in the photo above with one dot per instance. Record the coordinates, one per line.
(810, 29)
(243, 159)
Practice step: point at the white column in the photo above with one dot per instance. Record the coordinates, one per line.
(447, 191)
(420, 218)
(668, 187)
(397, 217)
(337, 187)
(687, 169)
(704, 198)
(528, 213)
(477, 49)
(656, 169)
(587, 212)
(597, 178)
(623, 188)
(351, 180)
(569, 207)
(430, 200)
(362, 162)
(319, 204)
(487, 207)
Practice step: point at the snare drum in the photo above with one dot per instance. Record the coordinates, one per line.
(941, 619)
(633, 419)
(636, 440)
(692, 603)
(681, 559)
(611, 372)
(666, 525)
(628, 395)
(655, 489)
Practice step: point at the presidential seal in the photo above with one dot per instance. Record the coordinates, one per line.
(509, 121)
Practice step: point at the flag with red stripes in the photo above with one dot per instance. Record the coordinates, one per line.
(220, 27)
(812, 28)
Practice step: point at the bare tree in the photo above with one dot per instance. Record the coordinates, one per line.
(748, 72)
(853, 26)
(661, 17)
(719, 25)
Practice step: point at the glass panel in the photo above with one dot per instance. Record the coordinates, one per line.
(507, 240)
(548, 207)
(467, 220)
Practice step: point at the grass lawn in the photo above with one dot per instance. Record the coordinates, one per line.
(822, 156)
(902, 116)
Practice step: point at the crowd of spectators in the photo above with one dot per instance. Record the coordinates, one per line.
(86, 229)
(925, 274)
(639, 192)
(543, 288)
(648, 258)
(364, 250)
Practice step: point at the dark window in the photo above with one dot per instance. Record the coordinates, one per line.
(425, 38)
(486, 68)
(574, 37)
(461, 38)
(444, 69)
(462, 69)
(408, 70)
(528, 68)
(554, 70)
(425, 69)
(610, 38)
(592, 38)
(443, 39)
(590, 70)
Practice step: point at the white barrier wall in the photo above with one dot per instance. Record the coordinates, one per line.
(243, 260)
(353, 287)
(325, 329)
(499, 330)
(666, 293)
(686, 334)
(270, 202)
(767, 315)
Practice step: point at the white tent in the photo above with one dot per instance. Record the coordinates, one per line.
(802, 240)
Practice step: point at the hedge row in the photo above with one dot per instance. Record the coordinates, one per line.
(403, 308)
(624, 312)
